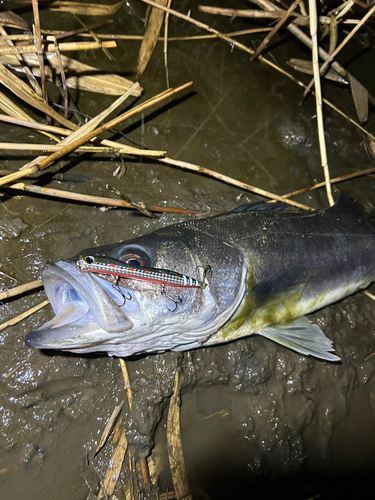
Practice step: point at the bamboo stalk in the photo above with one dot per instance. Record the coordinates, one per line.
(153, 23)
(24, 92)
(113, 471)
(275, 29)
(16, 112)
(50, 218)
(333, 181)
(119, 203)
(44, 163)
(64, 89)
(108, 428)
(174, 446)
(353, 122)
(34, 125)
(15, 369)
(342, 9)
(306, 40)
(229, 180)
(85, 8)
(364, 5)
(211, 37)
(11, 146)
(78, 133)
(165, 44)
(331, 57)
(32, 80)
(231, 41)
(24, 315)
(18, 290)
(318, 96)
(203, 26)
(96, 200)
(63, 47)
(298, 33)
(144, 468)
(83, 29)
(94, 36)
(294, 29)
(161, 39)
(366, 359)
(129, 395)
(248, 13)
(333, 34)
(134, 204)
(251, 13)
(115, 147)
(169, 495)
(17, 38)
(128, 389)
(133, 485)
(38, 48)
(303, 8)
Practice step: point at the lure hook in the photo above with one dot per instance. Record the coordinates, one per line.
(176, 301)
(124, 297)
(207, 271)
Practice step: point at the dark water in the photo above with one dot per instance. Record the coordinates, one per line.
(258, 421)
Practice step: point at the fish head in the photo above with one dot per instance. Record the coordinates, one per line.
(131, 316)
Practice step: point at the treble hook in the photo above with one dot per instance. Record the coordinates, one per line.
(207, 271)
(176, 301)
(125, 298)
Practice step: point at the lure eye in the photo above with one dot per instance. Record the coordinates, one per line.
(89, 259)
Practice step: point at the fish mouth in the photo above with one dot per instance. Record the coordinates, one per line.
(83, 309)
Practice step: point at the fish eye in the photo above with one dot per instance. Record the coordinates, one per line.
(135, 255)
(133, 260)
(88, 259)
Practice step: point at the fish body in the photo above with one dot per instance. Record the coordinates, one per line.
(269, 267)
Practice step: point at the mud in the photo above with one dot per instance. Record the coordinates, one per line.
(257, 419)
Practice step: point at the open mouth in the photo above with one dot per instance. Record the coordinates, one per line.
(83, 310)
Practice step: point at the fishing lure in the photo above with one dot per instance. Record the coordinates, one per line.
(106, 265)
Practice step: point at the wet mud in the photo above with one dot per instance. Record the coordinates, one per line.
(257, 420)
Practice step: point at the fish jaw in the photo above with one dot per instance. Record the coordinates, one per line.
(78, 322)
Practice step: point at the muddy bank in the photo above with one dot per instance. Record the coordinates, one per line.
(254, 415)
(257, 420)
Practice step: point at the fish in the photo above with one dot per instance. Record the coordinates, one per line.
(269, 267)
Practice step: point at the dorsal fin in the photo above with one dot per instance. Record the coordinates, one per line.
(262, 206)
(346, 203)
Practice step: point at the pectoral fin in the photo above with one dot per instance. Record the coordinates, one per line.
(302, 336)
(280, 284)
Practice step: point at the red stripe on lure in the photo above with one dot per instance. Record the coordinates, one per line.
(106, 265)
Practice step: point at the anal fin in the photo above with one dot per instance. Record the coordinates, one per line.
(302, 336)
